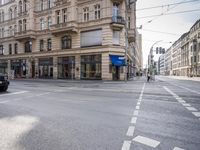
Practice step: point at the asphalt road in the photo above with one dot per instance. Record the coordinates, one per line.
(96, 115)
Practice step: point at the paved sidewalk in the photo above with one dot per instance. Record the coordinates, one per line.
(184, 78)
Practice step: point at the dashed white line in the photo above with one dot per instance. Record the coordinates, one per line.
(138, 103)
(146, 141)
(136, 112)
(181, 101)
(186, 105)
(197, 114)
(137, 107)
(130, 131)
(191, 108)
(134, 120)
(126, 145)
(177, 148)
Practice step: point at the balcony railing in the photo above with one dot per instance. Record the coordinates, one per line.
(64, 27)
(118, 20)
(25, 34)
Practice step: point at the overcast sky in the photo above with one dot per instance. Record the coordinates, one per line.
(173, 25)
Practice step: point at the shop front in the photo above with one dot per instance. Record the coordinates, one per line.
(3, 67)
(18, 68)
(66, 67)
(46, 68)
(117, 63)
(91, 67)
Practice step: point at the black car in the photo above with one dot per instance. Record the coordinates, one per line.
(3, 82)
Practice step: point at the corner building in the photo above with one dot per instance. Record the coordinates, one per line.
(67, 39)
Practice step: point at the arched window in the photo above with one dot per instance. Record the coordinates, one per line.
(20, 7)
(25, 5)
(11, 13)
(24, 24)
(66, 42)
(15, 12)
(20, 26)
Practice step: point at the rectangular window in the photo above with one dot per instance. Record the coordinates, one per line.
(86, 14)
(49, 22)
(116, 37)
(16, 48)
(41, 45)
(58, 17)
(49, 44)
(129, 22)
(195, 59)
(41, 24)
(91, 38)
(1, 49)
(10, 49)
(97, 12)
(64, 15)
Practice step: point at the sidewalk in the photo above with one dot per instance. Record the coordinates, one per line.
(184, 78)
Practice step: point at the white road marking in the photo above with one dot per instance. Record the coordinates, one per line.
(126, 145)
(138, 103)
(181, 101)
(15, 93)
(177, 148)
(179, 98)
(136, 112)
(137, 107)
(197, 114)
(191, 108)
(146, 141)
(3, 102)
(130, 131)
(134, 120)
(186, 105)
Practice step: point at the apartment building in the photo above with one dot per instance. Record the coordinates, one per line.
(67, 39)
(185, 54)
(161, 63)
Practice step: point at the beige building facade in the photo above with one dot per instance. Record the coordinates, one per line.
(67, 39)
(184, 54)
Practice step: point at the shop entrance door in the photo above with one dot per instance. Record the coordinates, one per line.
(116, 72)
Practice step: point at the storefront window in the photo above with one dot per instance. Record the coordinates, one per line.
(91, 67)
(46, 68)
(66, 67)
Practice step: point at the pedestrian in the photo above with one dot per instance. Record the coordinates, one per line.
(148, 76)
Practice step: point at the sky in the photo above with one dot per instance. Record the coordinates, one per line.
(167, 28)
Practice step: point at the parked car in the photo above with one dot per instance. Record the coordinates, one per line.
(4, 82)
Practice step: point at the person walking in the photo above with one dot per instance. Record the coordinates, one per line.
(148, 76)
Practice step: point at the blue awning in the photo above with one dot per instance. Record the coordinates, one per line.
(117, 60)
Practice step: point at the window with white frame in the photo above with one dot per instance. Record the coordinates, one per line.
(97, 12)
(2, 30)
(49, 3)
(15, 29)
(15, 12)
(25, 5)
(86, 14)
(10, 31)
(116, 37)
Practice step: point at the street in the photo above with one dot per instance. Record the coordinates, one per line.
(100, 115)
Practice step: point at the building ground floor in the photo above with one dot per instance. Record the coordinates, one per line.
(190, 71)
(92, 66)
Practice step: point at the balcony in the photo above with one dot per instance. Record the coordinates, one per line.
(69, 27)
(131, 35)
(24, 35)
(118, 22)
